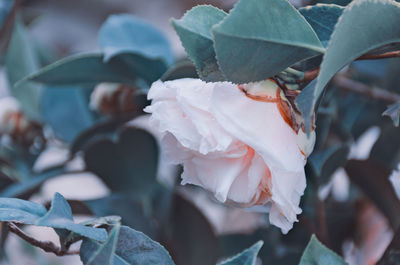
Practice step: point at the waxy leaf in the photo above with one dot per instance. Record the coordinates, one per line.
(317, 253)
(58, 217)
(322, 18)
(347, 43)
(393, 111)
(247, 257)
(131, 248)
(87, 68)
(260, 38)
(104, 255)
(194, 30)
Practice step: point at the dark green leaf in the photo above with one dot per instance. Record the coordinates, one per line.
(260, 38)
(132, 247)
(317, 253)
(393, 111)
(83, 69)
(21, 60)
(182, 69)
(325, 162)
(386, 149)
(322, 18)
(130, 165)
(247, 257)
(178, 234)
(347, 44)
(194, 30)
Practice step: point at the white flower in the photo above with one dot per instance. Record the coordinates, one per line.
(395, 179)
(242, 143)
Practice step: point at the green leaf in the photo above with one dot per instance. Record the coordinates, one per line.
(322, 18)
(104, 254)
(130, 165)
(125, 33)
(132, 247)
(347, 44)
(317, 253)
(247, 257)
(83, 69)
(58, 217)
(260, 38)
(393, 111)
(21, 60)
(325, 162)
(182, 69)
(5, 9)
(194, 30)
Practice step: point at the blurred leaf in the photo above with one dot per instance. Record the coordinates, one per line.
(392, 78)
(392, 252)
(182, 69)
(317, 253)
(255, 42)
(132, 247)
(130, 165)
(58, 217)
(21, 60)
(5, 9)
(83, 69)
(373, 180)
(142, 47)
(194, 30)
(325, 162)
(247, 257)
(66, 110)
(343, 49)
(322, 18)
(24, 187)
(393, 112)
(303, 104)
(185, 224)
(386, 149)
(101, 130)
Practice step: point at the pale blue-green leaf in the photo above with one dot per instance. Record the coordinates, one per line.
(247, 257)
(21, 60)
(5, 8)
(66, 110)
(104, 255)
(363, 26)
(23, 187)
(20, 211)
(60, 217)
(260, 38)
(317, 253)
(125, 33)
(322, 18)
(133, 248)
(393, 111)
(303, 104)
(194, 31)
(87, 69)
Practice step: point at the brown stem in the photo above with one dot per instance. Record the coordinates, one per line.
(375, 93)
(47, 246)
(312, 74)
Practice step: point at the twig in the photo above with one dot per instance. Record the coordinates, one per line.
(47, 246)
(375, 93)
(312, 74)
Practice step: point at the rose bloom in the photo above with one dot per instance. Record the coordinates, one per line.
(243, 143)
